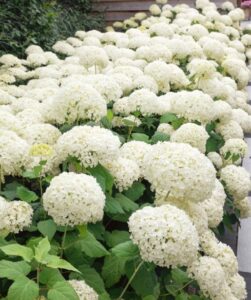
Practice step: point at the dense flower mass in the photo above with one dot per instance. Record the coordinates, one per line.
(161, 234)
(74, 199)
(121, 152)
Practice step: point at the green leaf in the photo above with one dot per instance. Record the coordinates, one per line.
(135, 191)
(181, 297)
(42, 250)
(26, 195)
(145, 282)
(53, 261)
(179, 276)
(18, 250)
(12, 270)
(112, 206)
(49, 276)
(140, 137)
(92, 247)
(168, 118)
(101, 172)
(62, 290)
(47, 228)
(92, 278)
(177, 123)
(160, 137)
(23, 289)
(127, 204)
(126, 250)
(116, 237)
(10, 190)
(113, 269)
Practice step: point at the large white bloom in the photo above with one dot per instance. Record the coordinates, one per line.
(192, 134)
(92, 56)
(74, 102)
(233, 151)
(74, 199)
(125, 172)
(194, 106)
(164, 235)
(13, 153)
(179, 172)
(238, 286)
(214, 205)
(15, 216)
(237, 181)
(209, 274)
(91, 145)
(41, 133)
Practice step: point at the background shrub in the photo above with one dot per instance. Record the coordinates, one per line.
(25, 22)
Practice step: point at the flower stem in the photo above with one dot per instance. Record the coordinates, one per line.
(63, 242)
(130, 280)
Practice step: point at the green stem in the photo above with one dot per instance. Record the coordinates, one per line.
(38, 274)
(63, 242)
(40, 186)
(130, 129)
(130, 280)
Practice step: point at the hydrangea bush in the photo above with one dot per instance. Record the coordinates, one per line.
(120, 160)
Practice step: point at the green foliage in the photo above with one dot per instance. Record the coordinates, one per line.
(25, 22)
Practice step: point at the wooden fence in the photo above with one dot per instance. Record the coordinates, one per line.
(119, 10)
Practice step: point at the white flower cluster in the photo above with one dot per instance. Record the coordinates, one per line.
(179, 172)
(83, 290)
(15, 216)
(91, 145)
(74, 199)
(164, 235)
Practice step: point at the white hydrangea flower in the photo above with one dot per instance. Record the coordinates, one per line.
(237, 14)
(237, 285)
(92, 56)
(222, 111)
(232, 148)
(125, 172)
(194, 106)
(136, 151)
(74, 199)
(10, 60)
(230, 130)
(106, 86)
(165, 128)
(41, 133)
(209, 274)
(244, 206)
(6, 98)
(146, 82)
(13, 153)
(15, 216)
(63, 47)
(84, 291)
(154, 52)
(179, 172)
(155, 10)
(227, 5)
(237, 181)
(76, 101)
(36, 59)
(215, 159)
(165, 235)
(91, 145)
(214, 205)
(192, 134)
(166, 75)
(161, 29)
(201, 68)
(144, 101)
